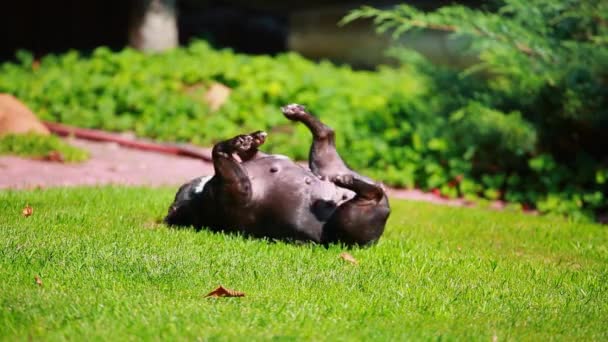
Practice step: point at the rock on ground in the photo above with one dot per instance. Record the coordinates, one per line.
(16, 118)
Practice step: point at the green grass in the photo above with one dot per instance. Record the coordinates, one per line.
(111, 272)
(40, 146)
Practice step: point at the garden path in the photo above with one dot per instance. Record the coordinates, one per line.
(111, 163)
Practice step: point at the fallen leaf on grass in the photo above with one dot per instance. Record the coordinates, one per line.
(154, 224)
(27, 211)
(36, 187)
(221, 291)
(348, 258)
(38, 280)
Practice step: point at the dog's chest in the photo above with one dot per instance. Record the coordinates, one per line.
(280, 178)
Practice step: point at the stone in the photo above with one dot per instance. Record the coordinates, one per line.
(17, 118)
(217, 95)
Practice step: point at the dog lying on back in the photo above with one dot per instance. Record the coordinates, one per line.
(270, 196)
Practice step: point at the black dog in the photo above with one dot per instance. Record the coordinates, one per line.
(271, 196)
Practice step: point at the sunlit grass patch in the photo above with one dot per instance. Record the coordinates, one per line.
(110, 271)
(41, 147)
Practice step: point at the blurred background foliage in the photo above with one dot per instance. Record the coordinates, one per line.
(523, 124)
(528, 117)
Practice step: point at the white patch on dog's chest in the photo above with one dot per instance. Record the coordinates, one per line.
(201, 185)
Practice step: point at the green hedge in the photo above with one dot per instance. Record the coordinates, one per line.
(403, 126)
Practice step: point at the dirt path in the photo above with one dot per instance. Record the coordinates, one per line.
(109, 164)
(113, 164)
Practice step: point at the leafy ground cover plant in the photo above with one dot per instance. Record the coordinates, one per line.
(92, 263)
(41, 146)
(161, 95)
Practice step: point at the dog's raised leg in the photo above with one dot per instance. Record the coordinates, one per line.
(360, 220)
(228, 187)
(323, 159)
(229, 174)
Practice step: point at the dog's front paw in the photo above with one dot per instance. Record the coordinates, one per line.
(242, 143)
(259, 138)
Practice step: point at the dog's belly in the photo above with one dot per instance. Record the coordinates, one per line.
(288, 200)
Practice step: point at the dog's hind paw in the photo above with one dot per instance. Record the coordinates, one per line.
(294, 111)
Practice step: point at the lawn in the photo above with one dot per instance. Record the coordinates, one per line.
(109, 271)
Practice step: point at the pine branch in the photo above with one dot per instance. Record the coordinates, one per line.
(401, 24)
(524, 48)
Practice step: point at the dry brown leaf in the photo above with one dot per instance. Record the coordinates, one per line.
(348, 258)
(54, 156)
(27, 211)
(221, 291)
(38, 280)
